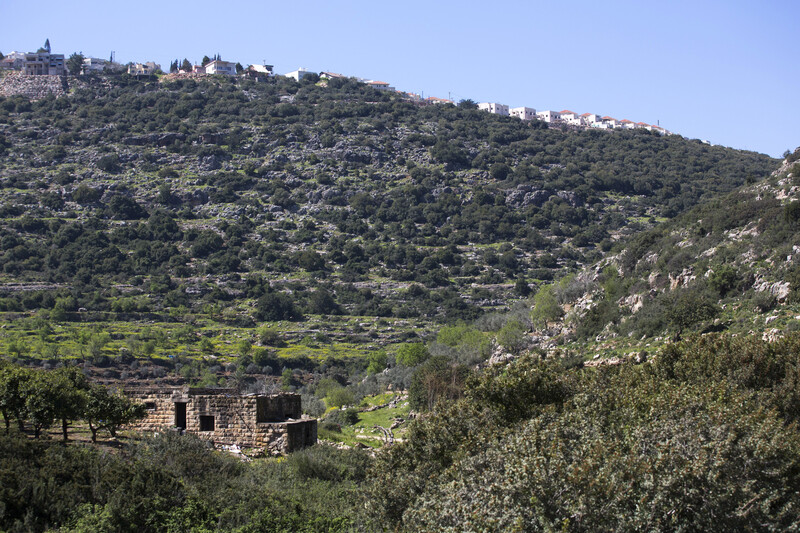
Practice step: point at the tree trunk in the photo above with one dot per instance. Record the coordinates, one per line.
(94, 432)
(64, 428)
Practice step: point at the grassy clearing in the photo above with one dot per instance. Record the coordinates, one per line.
(364, 431)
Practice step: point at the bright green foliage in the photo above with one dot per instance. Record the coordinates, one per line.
(339, 397)
(512, 336)
(105, 410)
(469, 345)
(377, 361)
(411, 354)
(545, 307)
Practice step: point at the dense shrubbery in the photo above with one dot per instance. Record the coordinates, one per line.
(402, 195)
(700, 439)
(170, 483)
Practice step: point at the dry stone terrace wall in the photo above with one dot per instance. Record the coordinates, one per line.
(273, 423)
(34, 87)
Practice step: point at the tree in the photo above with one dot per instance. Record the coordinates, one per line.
(173, 66)
(75, 63)
(108, 411)
(310, 261)
(689, 307)
(124, 208)
(12, 403)
(512, 336)
(499, 171)
(545, 307)
(339, 397)
(522, 288)
(67, 387)
(321, 302)
(275, 306)
(205, 61)
(467, 104)
(411, 354)
(377, 361)
(39, 397)
(435, 380)
(186, 66)
(239, 68)
(83, 194)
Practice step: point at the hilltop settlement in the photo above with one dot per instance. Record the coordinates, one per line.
(45, 63)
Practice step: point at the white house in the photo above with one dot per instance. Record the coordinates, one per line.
(567, 115)
(261, 69)
(380, 85)
(330, 75)
(523, 113)
(298, 74)
(93, 64)
(143, 69)
(226, 68)
(13, 61)
(496, 109)
(548, 116)
(590, 118)
(611, 121)
(626, 124)
(435, 100)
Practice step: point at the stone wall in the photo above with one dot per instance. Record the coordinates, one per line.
(269, 422)
(34, 87)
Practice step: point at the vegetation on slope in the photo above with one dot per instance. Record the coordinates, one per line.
(220, 204)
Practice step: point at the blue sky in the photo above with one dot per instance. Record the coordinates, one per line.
(722, 71)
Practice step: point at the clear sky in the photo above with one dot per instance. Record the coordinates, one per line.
(725, 71)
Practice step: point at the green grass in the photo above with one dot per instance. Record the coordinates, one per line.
(364, 430)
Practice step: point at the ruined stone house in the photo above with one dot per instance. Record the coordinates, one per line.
(271, 422)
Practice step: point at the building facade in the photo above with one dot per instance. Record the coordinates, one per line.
(272, 422)
(523, 113)
(496, 109)
(44, 64)
(226, 68)
(548, 116)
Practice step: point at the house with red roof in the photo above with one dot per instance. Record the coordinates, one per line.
(435, 100)
(380, 85)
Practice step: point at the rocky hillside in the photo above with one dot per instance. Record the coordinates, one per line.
(728, 264)
(245, 202)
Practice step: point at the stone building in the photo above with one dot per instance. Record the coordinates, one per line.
(273, 422)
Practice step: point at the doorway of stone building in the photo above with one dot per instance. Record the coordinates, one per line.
(180, 415)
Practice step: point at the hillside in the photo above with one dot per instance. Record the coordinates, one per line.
(150, 218)
(728, 264)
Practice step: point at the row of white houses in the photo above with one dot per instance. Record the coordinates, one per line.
(588, 120)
